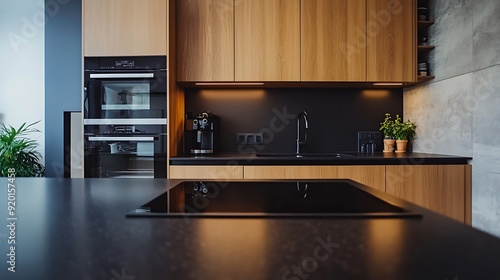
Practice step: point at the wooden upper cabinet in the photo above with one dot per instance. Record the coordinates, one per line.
(267, 40)
(390, 36)
(205, 40)
(124, 27)
(333, 40)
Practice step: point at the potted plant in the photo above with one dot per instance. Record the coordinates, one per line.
(387, 128)
(18, 152)
(403, 132)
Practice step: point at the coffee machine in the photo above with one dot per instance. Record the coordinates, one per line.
(201, 135)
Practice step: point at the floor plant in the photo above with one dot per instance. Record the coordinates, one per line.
(18, 152)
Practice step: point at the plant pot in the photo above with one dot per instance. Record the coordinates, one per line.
(389, 145)
(401, 146)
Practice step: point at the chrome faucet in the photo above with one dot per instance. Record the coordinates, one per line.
(302, 114)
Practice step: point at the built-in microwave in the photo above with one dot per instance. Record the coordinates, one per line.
(132, 88)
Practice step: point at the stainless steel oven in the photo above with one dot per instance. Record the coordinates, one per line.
(125, 151)
(125, 88)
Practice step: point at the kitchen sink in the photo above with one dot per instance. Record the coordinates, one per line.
(307, 155)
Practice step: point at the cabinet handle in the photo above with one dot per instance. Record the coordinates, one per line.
(122, 75)
(111, 138)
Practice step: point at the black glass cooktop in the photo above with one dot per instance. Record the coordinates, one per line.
(251, 199)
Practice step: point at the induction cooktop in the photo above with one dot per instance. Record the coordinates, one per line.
(337, 198)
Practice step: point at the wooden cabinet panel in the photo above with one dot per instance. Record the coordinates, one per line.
(205, 40)
(370, 175)
(267, 40)
(333, 43)
(124, 27)
(290, 172)
(390, 38)
(204, 172)
(440, 188)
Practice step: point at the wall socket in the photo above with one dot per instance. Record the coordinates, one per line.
(250, 138)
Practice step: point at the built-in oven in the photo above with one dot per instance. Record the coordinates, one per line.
(125, 151)
(125, 117)
(125, 88)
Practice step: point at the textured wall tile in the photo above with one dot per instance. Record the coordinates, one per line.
(486, 201)
(486, 33)
(452, 36)
(444, 121)
(485, 103)
(462, 105)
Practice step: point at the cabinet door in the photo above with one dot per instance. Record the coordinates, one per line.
(205, 40)
(441, 188)
(124, 27)
(390, 37)
(206, 172)
(262, 172)
(267, 40)
(370, 175)
(333, 44)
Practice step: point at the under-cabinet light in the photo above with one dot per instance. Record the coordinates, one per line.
(387, 84)
(229, 84)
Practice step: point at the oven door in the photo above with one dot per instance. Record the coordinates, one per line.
(124, 94)
(143, 156)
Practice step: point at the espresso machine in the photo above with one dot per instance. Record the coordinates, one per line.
(201, 135)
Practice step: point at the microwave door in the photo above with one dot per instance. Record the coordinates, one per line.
(125, 99)
(120, 95)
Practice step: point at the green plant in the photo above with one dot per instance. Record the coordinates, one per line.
(18, 152)
(403, 130)
(387, 127)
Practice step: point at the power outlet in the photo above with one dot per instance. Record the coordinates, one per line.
(250, 138)
(241, 138)
(259, 138)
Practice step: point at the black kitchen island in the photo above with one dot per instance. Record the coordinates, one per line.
(78, 229)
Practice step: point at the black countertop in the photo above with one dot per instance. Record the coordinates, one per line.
(77, 229)
(351, 158)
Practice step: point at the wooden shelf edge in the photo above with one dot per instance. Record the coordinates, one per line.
(420, 80)
(425, 23)
(425, 78)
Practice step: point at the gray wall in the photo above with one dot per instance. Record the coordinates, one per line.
(458, 113)
(63, 86)
(21, 58)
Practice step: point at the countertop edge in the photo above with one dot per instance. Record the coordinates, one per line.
(359, 159)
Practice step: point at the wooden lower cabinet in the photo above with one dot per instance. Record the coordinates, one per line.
(445, 189)
(370, 175)
(204, 172)
(263, 172)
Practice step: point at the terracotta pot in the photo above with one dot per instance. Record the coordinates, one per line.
(389, 145)
(401, 146)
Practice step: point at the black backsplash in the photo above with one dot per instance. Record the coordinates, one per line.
(335, 115)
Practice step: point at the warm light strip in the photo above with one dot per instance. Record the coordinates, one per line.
(387, 84)
(229, 84)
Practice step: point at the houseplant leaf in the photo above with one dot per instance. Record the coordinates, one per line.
(18, 152)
